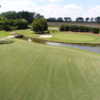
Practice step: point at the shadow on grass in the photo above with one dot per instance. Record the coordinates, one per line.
(6, 42)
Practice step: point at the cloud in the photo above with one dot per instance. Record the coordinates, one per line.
(53, 10)
(55, 0)
(94, 11)
(50, 9)
(50, 1)
(69, 10)
(16, 5)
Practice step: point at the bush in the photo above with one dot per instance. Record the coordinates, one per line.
(62, 28)
(96, 30)
(65, 28)
(76, 28)
(40, 25)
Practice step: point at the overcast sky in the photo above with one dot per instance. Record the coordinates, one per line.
(55, 8)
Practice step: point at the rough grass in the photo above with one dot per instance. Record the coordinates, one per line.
(30, 71)
(4, 33)
(26, 32)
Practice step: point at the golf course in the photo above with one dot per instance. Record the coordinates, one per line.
(42, 62)
(50, 50)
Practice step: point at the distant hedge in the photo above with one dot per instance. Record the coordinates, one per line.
(76, 28)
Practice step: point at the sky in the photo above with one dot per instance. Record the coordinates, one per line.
(54, 8)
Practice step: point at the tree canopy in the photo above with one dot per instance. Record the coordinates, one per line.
(29, 16)
(40, 25)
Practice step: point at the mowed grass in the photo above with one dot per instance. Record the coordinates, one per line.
(27, 32)
(75, 37)
(67, 37)
(30, 71)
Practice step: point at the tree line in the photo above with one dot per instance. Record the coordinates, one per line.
(28, 16)
(78, 19)
(12, 20)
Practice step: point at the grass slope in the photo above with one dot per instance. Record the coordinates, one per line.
(30, 71)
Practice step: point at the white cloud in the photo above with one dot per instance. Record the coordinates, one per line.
(94, 11)
(70, 10)
(55, 0)
(51, 9)
(50, 1)
(16, 5)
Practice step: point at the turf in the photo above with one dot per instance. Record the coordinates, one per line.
(27, 32)
(4, 33)
(75, 37)
(30, 71)
(67, 37)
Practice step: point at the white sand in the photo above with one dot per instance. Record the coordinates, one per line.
(46, 36)
(8, 37)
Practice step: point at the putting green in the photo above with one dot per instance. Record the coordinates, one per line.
(74, 37)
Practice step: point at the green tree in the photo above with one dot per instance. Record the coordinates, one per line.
(80, 19)
(52, 19)
(40, 25)
(21, 23)
(12, 24)
(97, 19)
(67, 19)
(60, 19)
(9, 15)
(29, 16)
(87, 19)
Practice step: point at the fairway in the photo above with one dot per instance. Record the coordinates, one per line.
(66, 37)
(30, 71)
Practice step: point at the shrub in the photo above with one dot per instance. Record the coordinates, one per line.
(65, 28)
(77, 28)
(40, 25)
(74, 28)
(96, 30)
(62, 28)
